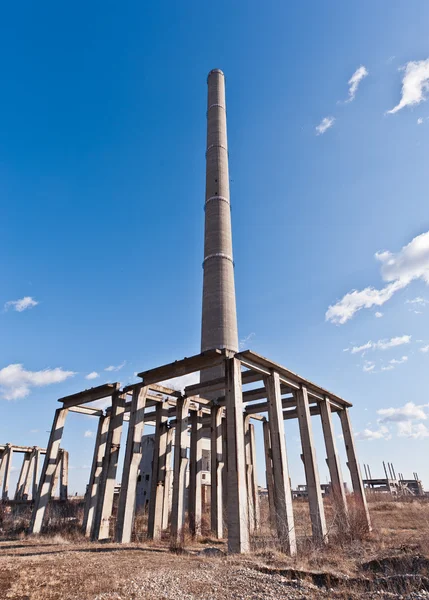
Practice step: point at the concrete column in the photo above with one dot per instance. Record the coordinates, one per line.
(48, 471)
(23, 474)
(3, 463)
(156, 501)
(225, 463)
(195, 480)
(36, 473)
(94, 478)
(238, 516)
(282, 490)
(216, 459)
(337, 485)
(29, 478)
(64, 475)
(106, 487)
(353, 463)
(7, 460)
(132, 460)
(56, 476)
(315, 500)
(180, 466)
(168, 486)
(269, 472)
(249, 474)
(254, 481)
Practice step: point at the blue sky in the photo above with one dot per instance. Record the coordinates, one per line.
(102, 141)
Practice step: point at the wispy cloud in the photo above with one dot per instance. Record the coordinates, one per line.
(424, 348)
(179, 383)
(382, 344)
(355, 80)
(398, 270)
(117, 368)
(415, 84)
(368, 367)
(379, 434)
(408, 412)
(245, 341)
(324, 125)
(378, 314)
(398, 361)
(16, 382)
(419, 300)
(416, 431)
(92, 375)
(88, 434)
(22, 304)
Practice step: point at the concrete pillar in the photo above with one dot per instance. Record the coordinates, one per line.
(216, 459)
(106, 487)
(94, 478)
(35, 486)
(249, 474)
(7, 462)
(225, 463)
(315, 500)
(269, 472)
(237, 512)
(56, 476)
(282, 490)
(64, 475)
(180, 466)
(338, 492)
(23, 475)
(132, 460)
(353, 463)
(254, 480)
(156, 502)
(195, 479)
(48, 471)
(168, 486)
(29, 478)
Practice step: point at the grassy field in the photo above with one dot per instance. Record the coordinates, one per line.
(391, 562)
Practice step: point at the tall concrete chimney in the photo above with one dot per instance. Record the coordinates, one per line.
(219, 316)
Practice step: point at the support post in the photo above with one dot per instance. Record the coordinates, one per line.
(333, 460)
(216, 460)
(195, 461)
(23, 475)
(180, 466)
(94, 478)
(36, 473)
(238, 517)
(168, 486)
(106, 488)
(282, 490)
(225, 464)
(64, 475)
(249, 475)
(132, 460)
(315, 500)
(353, 464)
(48, 471)
(156, 501)
(7, 462)
(254, 480)
(269, 472)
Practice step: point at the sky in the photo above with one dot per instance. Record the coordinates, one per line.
(102, 174)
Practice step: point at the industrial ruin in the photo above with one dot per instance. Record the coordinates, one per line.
(237, 389)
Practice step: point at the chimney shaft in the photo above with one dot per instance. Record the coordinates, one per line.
(219, 314)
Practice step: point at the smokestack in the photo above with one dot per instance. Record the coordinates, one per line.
(219, 314)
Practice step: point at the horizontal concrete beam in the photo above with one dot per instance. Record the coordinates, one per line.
(198, 362)
(86, 410)
(95, 393)
(22, 449)
(219, 384)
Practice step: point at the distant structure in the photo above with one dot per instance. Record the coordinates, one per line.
(223, 407)
(219, 313)
(392, 484)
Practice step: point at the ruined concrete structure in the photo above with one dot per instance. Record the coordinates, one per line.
(225, 406)
(28, 479)
(393, 484)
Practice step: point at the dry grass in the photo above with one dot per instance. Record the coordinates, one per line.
(61, 564)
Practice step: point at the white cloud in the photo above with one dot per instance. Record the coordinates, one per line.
(245, 341)
(387, 368)
(92, 375)
(179, 383)
(22, 304)
(398, 270)
(425, 348)
(415, 84)
(324, 125)
(378, 314)
(355, 80)
(368, 367)
(118, 368)
(401, 361)
(16, 382)
(419, 300)
(408, 412)
(380, 434)
(419, 121)
(88, 434)
(382, 344)
(412, 430)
